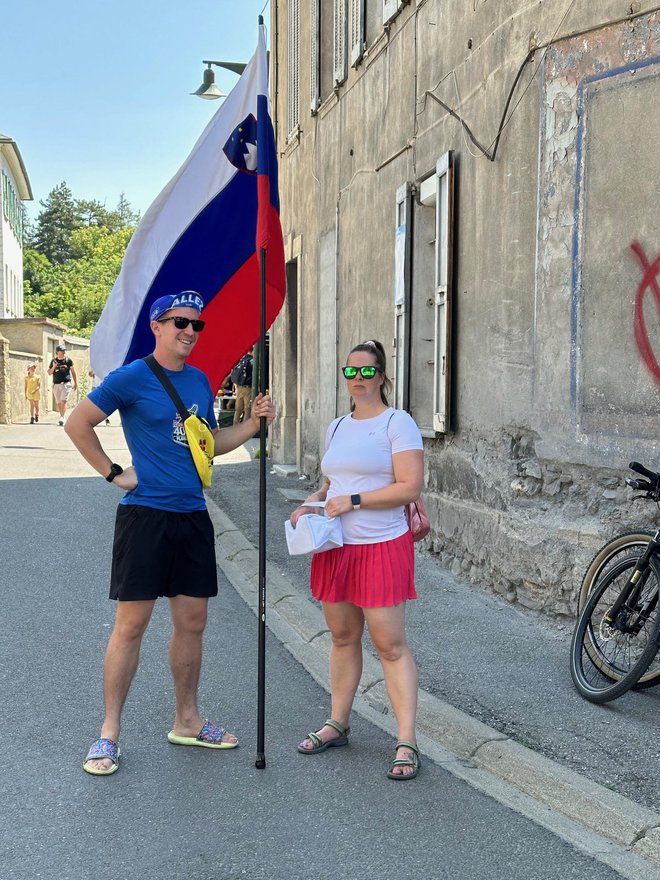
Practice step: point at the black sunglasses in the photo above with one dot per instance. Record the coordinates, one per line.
(181, 323)
(365, 372)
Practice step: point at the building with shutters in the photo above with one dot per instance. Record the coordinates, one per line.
(14, 190)
(24, 341)
(472, 184)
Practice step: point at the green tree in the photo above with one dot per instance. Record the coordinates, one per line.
(127, 216)
(93, 213)
(76, 291)
(73, 256)
(55, 223)
(37, 272)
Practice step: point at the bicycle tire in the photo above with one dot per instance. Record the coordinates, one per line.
(627, 543)
(605, 663)
(624, 543)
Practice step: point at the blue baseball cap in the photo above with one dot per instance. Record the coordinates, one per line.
(187, 299)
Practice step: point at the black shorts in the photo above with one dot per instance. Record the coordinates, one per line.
(161, 553)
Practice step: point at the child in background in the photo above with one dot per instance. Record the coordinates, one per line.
(33, 393)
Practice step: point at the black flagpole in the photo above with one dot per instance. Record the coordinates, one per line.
(260, 763)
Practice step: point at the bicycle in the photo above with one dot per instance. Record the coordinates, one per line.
(617, 634)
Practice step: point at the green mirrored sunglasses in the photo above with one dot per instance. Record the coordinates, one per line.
(365, 372)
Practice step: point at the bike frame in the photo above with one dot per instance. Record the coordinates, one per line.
(628, 598)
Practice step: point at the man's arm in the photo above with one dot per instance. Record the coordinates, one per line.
(75, 378)
(51, 368)
(80, 428)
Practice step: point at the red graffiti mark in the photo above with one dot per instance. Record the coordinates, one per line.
(649, 282)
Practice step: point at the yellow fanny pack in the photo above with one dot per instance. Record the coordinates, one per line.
(199, 433)
(202, 447)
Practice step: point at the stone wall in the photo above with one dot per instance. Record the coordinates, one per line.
(18, 362)
(32, 341)
(525, 526)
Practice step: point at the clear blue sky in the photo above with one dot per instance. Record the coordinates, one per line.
(97, 94)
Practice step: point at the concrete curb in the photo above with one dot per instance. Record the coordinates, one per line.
(600, 822)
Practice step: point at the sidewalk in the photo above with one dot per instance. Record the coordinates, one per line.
(497, 706)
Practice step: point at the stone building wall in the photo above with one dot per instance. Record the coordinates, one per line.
(554, 376)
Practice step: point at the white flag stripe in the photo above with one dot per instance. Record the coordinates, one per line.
(205, 173)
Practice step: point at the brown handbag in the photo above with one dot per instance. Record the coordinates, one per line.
(417, 519)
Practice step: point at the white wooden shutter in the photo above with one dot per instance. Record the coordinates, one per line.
(390, 9)
(315, 55)
(402, 288)
(357, 30)
(340, 67)
(444, 224)
(293, 63)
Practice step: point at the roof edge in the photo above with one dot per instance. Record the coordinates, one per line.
(10, 149)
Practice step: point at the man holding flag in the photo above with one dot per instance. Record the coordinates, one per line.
(164, 542)
(210, 229)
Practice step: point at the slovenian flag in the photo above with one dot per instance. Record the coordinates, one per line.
(203, 233)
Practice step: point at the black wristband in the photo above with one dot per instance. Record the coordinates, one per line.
(115, 470)
(356, 501)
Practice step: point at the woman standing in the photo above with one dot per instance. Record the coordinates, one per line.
(374, 465)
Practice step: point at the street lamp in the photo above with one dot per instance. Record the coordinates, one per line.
(208, 89)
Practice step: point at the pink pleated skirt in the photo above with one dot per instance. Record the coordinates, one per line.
(367, 575)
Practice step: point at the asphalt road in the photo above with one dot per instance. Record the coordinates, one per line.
(173, 812)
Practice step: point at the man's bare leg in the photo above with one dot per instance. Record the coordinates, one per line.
(189, 614)
(120, 665)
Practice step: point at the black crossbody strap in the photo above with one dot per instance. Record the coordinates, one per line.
(335, 431)
(164, 379)
(387, 427)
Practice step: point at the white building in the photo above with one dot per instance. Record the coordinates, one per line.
(14, 190)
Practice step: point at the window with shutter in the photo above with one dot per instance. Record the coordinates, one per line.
(315, 55)
(340, 66)
(293, 94)
(402, 286)
(358, 37)
(427, 314)
(444, 222)
(390, 9)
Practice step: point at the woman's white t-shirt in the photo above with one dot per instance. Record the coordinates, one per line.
(358, 459)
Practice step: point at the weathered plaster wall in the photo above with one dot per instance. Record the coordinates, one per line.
(552, 395)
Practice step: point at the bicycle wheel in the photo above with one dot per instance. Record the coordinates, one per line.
(626, 544)
(606, 662)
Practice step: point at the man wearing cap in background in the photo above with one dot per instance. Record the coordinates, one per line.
(164, 543)
(61, 369)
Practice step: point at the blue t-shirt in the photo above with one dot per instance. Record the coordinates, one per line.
(154, 432)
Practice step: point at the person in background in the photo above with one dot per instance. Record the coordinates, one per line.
(226, 393)
(62, 370)
(241, 376)
(374, 465)
(33, 392)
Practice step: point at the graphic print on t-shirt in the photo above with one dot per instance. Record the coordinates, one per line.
(178, 430)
